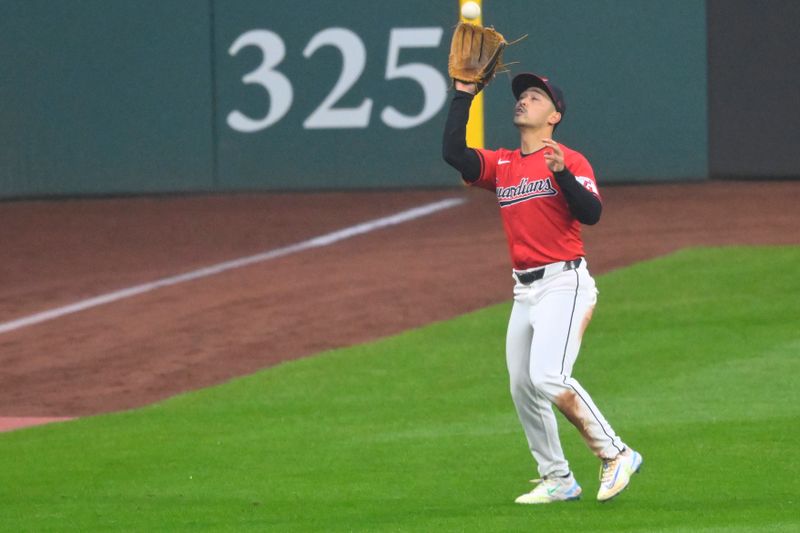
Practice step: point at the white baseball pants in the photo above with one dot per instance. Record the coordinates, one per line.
(544, 335)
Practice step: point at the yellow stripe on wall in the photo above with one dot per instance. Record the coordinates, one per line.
(475, 124)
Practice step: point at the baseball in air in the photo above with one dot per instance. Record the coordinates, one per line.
(470, 10)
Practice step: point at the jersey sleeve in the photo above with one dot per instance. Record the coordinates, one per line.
(488, 176)
(584, 174)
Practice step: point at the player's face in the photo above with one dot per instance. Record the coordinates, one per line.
(534, 109)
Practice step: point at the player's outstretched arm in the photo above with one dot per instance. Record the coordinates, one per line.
(454, 141)
(471, 88)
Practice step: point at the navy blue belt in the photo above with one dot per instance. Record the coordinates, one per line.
(526, 278)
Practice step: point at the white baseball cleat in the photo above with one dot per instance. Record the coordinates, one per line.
(549, 490)
(615, 474)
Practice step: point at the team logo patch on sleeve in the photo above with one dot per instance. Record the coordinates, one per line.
(587, 183)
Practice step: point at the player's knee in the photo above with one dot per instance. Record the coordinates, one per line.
(547, 385)
(521, 388)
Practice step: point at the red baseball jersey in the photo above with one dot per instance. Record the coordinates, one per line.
(538, 223)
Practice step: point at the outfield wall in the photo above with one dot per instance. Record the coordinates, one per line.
(105, 96)
(113, 96)
(754, 77)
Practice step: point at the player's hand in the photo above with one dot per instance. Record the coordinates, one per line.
(471, 88)
(553, 155)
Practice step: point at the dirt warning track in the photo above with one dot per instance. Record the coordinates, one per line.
(143, 348)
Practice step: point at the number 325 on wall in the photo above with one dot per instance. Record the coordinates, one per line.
(354, 54)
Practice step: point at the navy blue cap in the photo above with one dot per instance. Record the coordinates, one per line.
(526, 80)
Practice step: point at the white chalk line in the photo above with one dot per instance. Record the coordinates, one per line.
(316, 242)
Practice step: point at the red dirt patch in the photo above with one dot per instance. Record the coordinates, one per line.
(201, 333)
(10, 423)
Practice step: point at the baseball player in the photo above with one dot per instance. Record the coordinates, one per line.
(545, 191)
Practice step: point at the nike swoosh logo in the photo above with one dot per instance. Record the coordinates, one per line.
(551, 491)
(611, 483)
(503, 161)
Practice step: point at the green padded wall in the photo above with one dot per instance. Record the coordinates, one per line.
(115, 96)
(104, 96)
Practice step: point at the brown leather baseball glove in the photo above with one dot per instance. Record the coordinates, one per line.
(475, 53)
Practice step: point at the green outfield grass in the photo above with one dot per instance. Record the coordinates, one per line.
(694, 358)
